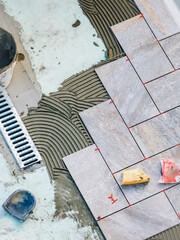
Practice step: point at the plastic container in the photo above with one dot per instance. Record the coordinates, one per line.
(8, 57)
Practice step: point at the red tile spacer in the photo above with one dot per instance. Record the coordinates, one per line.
(178, 215)
(114, 201)
(130, 205)
(158, 41)
(159, 113)
(97, 149)
(145, 159)
(111, 196)
(142, 15)
(128, 128)
(128, 59)
(112, 101)
(99, 218)
(175, 70)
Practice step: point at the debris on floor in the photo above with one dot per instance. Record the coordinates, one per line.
(170, 172)
(134, 176)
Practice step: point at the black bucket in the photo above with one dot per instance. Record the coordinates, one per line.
(8, 55)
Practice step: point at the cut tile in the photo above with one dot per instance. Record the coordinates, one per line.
(111, 135)
(141, 220)
(171, 46)
(159, 17)
(142, 48)
(166, 91)
(128, 92)
(95, 181)
(173, 195)
(152, 167)
(159, 133)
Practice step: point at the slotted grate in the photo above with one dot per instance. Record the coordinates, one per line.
(16, 135)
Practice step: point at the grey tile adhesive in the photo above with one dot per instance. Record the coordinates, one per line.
(16, 135)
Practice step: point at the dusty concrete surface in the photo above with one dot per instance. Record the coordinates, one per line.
(24, 90)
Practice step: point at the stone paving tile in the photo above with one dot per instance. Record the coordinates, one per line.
(95, 181)
(111, 135)
(158, 17)
(152, 167)
(171, 46)
(128, 92)
(159, 133)
(166, 91)
(141, 220)
(173, 195)
(141, 47)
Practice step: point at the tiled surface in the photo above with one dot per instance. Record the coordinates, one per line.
(166, 91)
(111, 136)
(133, 33)
(142, 48)
(173, 195)
(152, 167)
(135, 105)
(158, 17)
(171, 46)
(95, 181)
(151, 211)
(159, 133)
(140, 221)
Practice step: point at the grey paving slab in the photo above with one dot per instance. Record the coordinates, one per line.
(95, 181)
(159, 17)
(141, 220)
(171, 46)
(141, 47)
(173, 195)
(159, 133)
(128, 92)
(166, 91)
(152, 167)
(111, 136)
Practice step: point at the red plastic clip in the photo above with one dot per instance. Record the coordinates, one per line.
(111, 196)
(142, 15)
(130, 205)
(114, 201)
(97, 149)
(128, 59)
(112, 101)
(99, 218)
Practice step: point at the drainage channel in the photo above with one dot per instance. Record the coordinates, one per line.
(16, 135)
